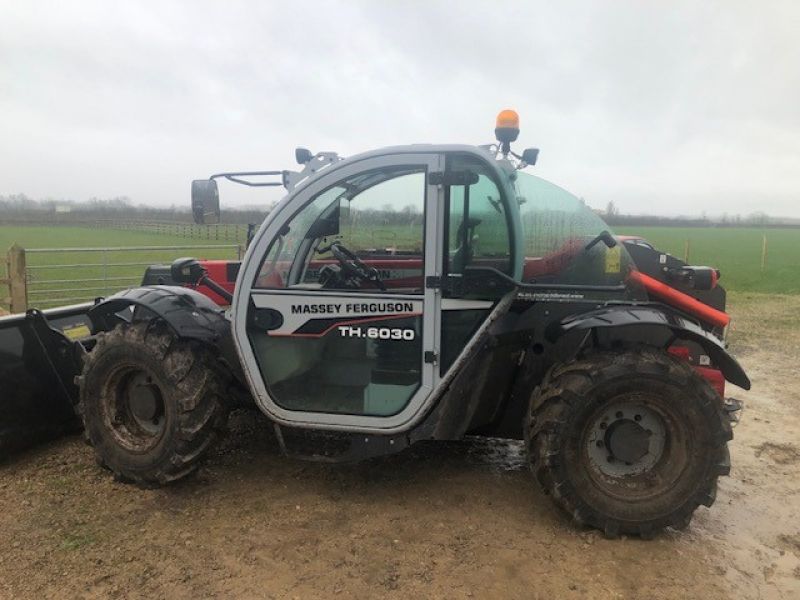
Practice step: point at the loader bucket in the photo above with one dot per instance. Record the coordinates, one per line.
(40, 355)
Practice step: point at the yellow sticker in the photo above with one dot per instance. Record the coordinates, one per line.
(77, 332)
(613, 257)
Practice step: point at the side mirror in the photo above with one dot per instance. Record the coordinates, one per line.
(529, 156)
(205, 202)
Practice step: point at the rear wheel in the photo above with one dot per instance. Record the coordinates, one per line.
(628, 442)
(151, 405)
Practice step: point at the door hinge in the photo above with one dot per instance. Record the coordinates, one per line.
(433, 282)
(431, 357)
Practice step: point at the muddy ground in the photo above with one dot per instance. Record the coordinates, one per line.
(441, 520)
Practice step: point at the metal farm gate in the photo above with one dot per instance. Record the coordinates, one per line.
(47, 277)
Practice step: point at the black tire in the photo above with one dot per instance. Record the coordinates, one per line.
(152, 405)
(679, 432)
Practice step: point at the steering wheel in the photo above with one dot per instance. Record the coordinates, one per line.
(353, 265)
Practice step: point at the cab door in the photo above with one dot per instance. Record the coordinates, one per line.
(332, 319)
(479, 240)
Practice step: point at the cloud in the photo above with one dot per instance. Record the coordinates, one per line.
(678, 108)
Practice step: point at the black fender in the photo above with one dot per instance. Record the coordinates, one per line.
(187, 312)
(646, 317)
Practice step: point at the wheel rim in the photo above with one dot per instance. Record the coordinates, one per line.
(625, 439)
(635, 447)
(135, 411)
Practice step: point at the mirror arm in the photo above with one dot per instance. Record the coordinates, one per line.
(237, 178)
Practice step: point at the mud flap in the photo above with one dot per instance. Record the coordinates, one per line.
(40, 355)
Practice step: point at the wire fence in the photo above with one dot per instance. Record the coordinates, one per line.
(224, 232)
(47, 277)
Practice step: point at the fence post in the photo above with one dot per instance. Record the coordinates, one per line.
(686, 248)
(17, 285)
(764, 252)
(105, 271)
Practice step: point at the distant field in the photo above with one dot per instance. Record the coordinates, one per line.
(736, 252)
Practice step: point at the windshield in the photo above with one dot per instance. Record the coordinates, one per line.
(557, 228)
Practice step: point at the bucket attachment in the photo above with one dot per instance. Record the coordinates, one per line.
(40, 355)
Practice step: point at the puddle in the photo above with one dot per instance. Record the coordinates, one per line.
(499, 454)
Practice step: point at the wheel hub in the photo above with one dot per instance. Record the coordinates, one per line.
(625, 439)
(144, 404)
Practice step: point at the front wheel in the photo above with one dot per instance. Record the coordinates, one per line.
(629, 442)
(151, 404)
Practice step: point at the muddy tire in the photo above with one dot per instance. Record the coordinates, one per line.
(152, 405)
(629, 442)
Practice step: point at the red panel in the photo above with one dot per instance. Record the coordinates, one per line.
(553, 263)
(217, 270)
(714, 377)
(710, 374)
(680, 352)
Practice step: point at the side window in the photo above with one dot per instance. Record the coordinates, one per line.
(478, 231)
(363, 234)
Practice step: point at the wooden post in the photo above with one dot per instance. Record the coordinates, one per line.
(17, 285)
(764, 252)
(686, 248)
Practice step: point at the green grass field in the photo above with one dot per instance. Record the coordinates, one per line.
(736, 252)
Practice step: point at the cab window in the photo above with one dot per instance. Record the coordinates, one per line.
(558, 229)
(478, 228)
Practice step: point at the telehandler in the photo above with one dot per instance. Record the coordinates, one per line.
(422, 292)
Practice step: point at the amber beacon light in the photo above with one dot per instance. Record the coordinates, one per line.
(506, 129)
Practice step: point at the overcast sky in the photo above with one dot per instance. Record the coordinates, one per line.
(666, 108)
